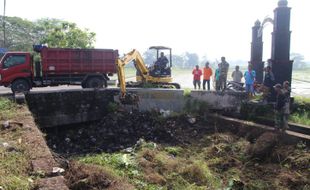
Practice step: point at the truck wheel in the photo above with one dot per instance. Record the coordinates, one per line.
(20, 85)
(95, 82)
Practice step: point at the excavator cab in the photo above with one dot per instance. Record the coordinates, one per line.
(163, 64)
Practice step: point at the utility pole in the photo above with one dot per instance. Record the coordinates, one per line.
(4, 39)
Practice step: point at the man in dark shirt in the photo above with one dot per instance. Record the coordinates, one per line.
(224, 71)
(161, 62)
(280, 121)
(269, 80)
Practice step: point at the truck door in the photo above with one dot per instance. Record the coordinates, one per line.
(15, 66)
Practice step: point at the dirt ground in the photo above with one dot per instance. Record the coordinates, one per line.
(148, 151)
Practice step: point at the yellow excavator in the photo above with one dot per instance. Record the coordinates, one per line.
(156, 76)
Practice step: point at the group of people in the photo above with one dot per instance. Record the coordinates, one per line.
(277, 93)
(220, 75)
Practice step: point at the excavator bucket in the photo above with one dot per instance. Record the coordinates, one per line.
(129, 99)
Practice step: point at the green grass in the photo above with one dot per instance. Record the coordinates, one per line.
(14, 165)
(13, 170)
(7, 109)
(151, 167)
(301, 100)
(301, 118)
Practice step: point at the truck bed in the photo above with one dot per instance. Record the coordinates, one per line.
(58, 61)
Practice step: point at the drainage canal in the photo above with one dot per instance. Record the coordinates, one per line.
(152, 150)
(132, 150)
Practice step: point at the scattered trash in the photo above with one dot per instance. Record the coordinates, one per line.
(5, 145)
(191, 120)
(67, 140)
(57, 170)
(6, 124)
(165, 113)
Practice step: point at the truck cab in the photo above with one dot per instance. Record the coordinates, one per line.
(16, 71)
(89, 68)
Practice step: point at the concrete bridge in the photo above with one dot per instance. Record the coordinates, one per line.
(82, 105)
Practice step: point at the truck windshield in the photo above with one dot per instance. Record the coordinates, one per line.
(14, 60)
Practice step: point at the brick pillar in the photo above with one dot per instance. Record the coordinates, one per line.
(281, 38)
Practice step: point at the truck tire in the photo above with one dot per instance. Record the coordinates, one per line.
(20, 85)
(95, 82)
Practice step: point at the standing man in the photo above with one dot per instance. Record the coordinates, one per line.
(207, 73)
(280, 121)
(249, 77)
(217, 77)
(267, 88)
(224, 71)
(197, 75)
(287, 94)
(237, 75)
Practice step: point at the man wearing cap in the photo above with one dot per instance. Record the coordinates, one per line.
(280, 121)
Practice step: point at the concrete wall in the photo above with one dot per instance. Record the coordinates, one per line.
(219, 100)
(66, 107)
(159, 99)
(69, 106)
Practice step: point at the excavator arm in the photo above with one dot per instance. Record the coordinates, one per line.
(135, 56)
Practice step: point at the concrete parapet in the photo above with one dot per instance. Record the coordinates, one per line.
(159, 99)
(221, 100)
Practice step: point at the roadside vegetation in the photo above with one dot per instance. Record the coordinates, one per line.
(14, 165)
(218, 161)
(301, 111)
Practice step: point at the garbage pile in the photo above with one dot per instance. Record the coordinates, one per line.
(120, 130)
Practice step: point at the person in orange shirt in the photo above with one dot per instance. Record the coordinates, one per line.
(207, 73)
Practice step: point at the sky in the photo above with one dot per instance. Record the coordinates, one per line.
(211, 28)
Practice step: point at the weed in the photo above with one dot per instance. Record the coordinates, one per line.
(194, 106)
(301, 118)
(13, 170)
(7, 109)
(199, 173)
(187, 92)
(173, 150)
(112, 107)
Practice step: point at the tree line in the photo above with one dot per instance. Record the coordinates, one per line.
(22, 34)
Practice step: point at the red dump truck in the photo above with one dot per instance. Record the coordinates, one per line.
(89, 68)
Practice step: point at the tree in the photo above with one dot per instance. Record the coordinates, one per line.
(21, 34)
(177, 61)
(63, 34)
(298, 59)
(190, 60)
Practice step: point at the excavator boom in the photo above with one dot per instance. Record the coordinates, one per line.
(135, 56)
